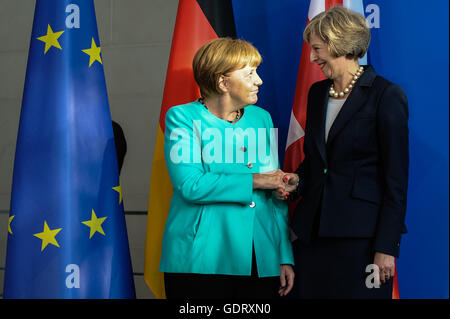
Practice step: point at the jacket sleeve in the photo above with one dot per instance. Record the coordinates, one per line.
(281, 209)
(393, 143)
(286, 254)
(182, 150)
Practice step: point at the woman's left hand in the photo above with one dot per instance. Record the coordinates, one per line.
(386, 266)
(290, 184)
(286, 279)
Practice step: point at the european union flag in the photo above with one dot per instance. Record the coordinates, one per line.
(67, 234)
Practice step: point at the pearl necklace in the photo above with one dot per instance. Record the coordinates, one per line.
(335, 94)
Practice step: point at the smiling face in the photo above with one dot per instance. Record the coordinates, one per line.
(332, 67)
(242, 86)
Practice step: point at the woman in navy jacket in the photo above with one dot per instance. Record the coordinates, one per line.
(353, 181)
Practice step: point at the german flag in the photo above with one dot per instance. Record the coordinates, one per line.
(197, 22)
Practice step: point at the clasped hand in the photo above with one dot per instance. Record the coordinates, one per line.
(290, 184)
(280, 182)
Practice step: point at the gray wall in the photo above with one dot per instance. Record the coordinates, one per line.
(135, 39)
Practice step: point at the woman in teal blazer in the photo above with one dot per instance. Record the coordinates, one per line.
(226, 235)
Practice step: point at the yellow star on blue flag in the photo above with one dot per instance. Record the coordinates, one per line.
(95, 224)
(51, 39)
(9, 224)
(119, 190)
(48, 236)
(94, 53)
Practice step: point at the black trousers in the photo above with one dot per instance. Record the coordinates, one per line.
(335, 268)
(201, 286)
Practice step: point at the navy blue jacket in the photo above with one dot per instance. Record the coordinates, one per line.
(357, 181)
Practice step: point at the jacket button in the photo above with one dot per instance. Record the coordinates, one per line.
(249, 165)
(252, 205)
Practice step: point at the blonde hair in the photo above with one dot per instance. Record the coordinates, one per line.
(344, 31)
(219, 57)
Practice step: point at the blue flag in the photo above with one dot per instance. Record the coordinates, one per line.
(67, 233)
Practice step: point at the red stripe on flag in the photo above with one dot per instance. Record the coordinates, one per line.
(395, 290)
(331, 3)
(192, 30)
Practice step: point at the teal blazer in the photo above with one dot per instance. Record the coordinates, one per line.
(215, 215)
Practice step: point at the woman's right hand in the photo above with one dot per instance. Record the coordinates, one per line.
(271, 180)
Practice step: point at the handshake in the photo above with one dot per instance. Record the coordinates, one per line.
(280, 182)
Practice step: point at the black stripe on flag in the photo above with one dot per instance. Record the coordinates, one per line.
(220, 15)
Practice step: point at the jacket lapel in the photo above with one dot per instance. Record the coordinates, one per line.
(354, 102)
(320, 103)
